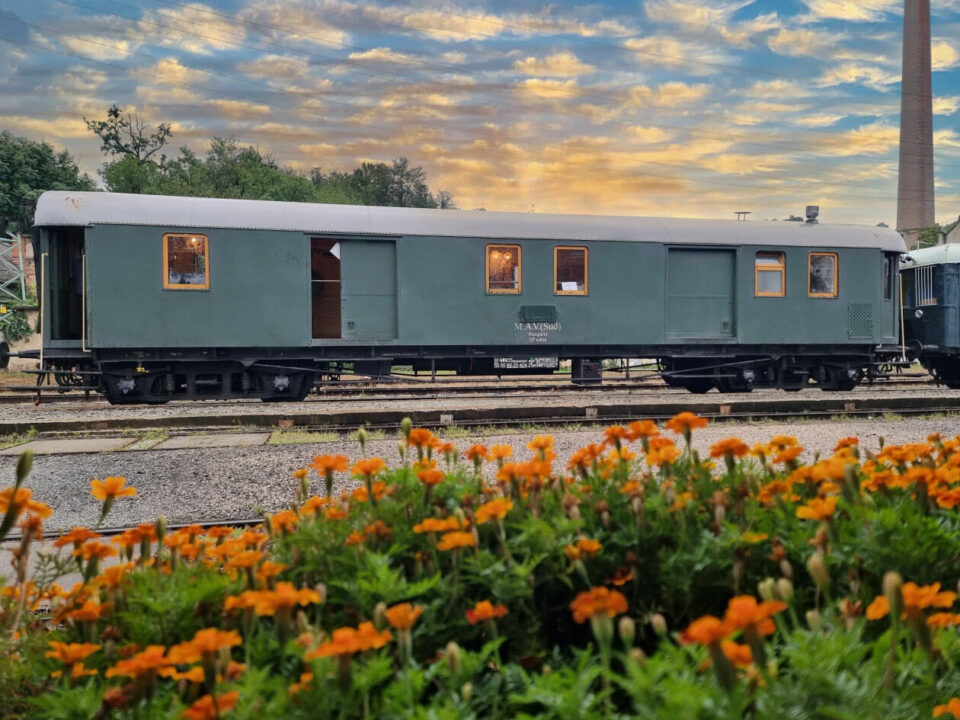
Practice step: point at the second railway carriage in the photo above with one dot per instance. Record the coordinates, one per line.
(931, 310)
(152, 298)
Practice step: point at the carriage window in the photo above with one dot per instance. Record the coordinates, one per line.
(503, 269)
(823, 275)
(185, 262)
(570, 271)
(769, 272)
(888, 277)
(923, 286)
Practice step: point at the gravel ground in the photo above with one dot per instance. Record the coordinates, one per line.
(230, 483)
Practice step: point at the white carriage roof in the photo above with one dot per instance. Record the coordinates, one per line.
(66, 208)
(936, 255)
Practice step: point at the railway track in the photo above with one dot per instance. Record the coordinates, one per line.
(171, 527)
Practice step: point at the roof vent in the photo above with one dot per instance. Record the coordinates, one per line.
(813, 212)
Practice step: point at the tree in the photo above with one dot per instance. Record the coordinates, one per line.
(127, 135)
(929, 237)
(27, 169)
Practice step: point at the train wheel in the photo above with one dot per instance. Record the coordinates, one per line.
(696, 385)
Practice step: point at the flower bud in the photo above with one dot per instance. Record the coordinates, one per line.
(380, 615)
(321, 590)
(466, 691)
(637, 656)
(627, 629)
(303, 624)
(406, 425)
(817, 567)
(659, 624)
(767, 588)
(893, 591)
(161, 527)
(786, 569)
(785, 590)
(814, 619)
(402, 449)
(453, 657)
(362, 439)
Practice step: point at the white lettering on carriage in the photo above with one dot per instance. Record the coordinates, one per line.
(537, 332)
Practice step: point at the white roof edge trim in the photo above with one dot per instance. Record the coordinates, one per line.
(67, 208)
(937, 255)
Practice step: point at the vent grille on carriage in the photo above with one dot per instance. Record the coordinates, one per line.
(860, 320)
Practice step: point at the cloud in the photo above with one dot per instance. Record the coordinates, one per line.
(801, 42)
(670, 52)
(777, 90)
(668, 95)
(946, 104)
(454, 58)
(276, 67)
(65, 127)
(714, 19)
(819, 120)
(870, 139)
(171, 72)
(648, 135)
(237, 109)
(382, 54)
(853, 10)
(193, 28)
(852, 74)
(943, 55)
(549, 89)
(560, 64)
(94, 46)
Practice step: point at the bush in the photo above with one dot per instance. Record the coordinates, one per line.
(487, 587)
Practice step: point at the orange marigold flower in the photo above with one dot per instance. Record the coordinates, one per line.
(218, 532)
(20, 500)
(455, 540)
(622, 576)
(782, 442)
(95, 549)
(738, 655)
(485, 610)
(76, 537)
(70, 653)
(944, 619)
(916, 598)
(114, 575)
(313, 505)
(818, 509)
(499, 452)
(732, 445)
(663, 455)
(436, 525)
(745, 613)
(541, 443)
(348, 641)
(402, 617)
(788, 454)
(245, 559)
(207, 709)
(420, 437)
(369, 466)
(330, 463)
(111, 487)
(952, 706)
(89, 611)
(476, 452)
(496, 508)
(431, 477)
(284, 521)
(149, 661)
(583, 547)
(335, 513)
(378, 529)
(205, 643)
(354, 538)
(284, 597)
(685, 422)
(598, 601)
(616, 433)
(643, 428)
(706, 630)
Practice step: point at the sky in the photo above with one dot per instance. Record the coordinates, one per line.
(684, 108)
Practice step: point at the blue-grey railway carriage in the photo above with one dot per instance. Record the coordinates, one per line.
(931, 310)
(155, 298)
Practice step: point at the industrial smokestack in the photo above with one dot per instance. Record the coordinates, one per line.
(915, 210)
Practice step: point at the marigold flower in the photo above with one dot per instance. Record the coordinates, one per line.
(205, 643)
(583, 546)
(432, 524)
(284, 597)
(739, 655)
(943, 620)
(111, 487)
(616, 434)
(22, 499)
(541, 443)
(496, 508)
(952, 706)
(95, 549)
(788, 454)
(455, 540)
(218, 532)
(643, 428)
(431, 477)
(916, 598)
(330, 463)
(781, 442)
(706, 630)
(284, 521)
(621, 576)
(485, 610)
(685, 422)
(420, 437)
(114, 575)
(598, 601)
(745, 613)
(354, 538)
(402, 617)
(70, 653)
(76, 537)
(499, 452)
(476, 452)
(732, 445)
(369, 466)
(150, 660)
(818, 509)
(335, 513)
(348, 641)
(89, 611)
(245, 559)
(207, 709)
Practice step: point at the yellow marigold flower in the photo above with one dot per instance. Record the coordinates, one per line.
(206, 709)
(111, 487)
(782, 442)
(402, 617)
(598, 601)
(818, 509)
(496, 508)
(485, 610)
(455, 540)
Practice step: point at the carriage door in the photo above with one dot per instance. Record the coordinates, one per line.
(700, 285)
(65, 278)
(325, 287)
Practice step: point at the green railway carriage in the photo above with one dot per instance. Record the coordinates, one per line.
(931, 310)
(153, 298)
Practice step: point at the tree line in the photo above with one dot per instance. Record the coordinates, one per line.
(137, 162)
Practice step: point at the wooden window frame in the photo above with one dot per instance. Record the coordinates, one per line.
(836, 275)
(781, 267)
(167, 285)
(586, 270)
(504, 291)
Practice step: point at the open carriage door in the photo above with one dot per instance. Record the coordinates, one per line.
(325, 287)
